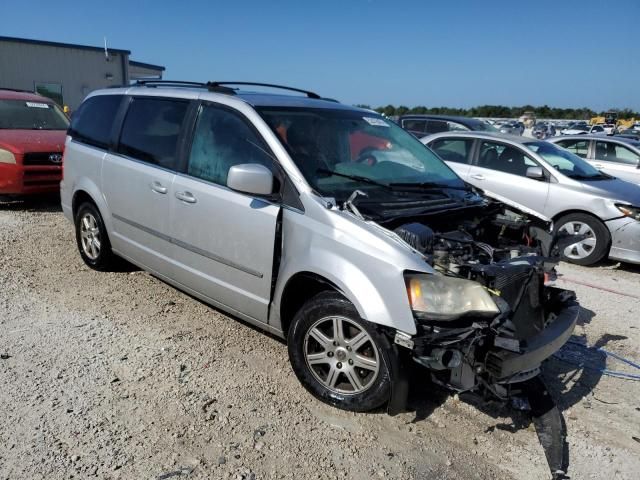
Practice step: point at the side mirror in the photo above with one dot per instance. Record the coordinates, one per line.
(250, 178)
(535, 172)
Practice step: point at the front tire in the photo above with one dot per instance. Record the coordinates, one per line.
(594, 247)
(92, 238)
(338, 357)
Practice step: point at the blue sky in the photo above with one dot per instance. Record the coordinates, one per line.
(458, 53)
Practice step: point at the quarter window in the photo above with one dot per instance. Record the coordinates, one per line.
(223, 139)
(93, 121)
(453, 149)
(579, 147)
(151, 130)
(504, 158)
(614, 152)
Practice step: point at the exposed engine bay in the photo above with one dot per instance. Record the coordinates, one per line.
(512, 256)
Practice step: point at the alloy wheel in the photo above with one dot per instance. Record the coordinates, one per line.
(341, 355)
(90, 236)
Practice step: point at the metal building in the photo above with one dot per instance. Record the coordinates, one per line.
(65, 72)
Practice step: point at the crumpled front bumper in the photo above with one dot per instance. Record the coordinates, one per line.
(503, 364)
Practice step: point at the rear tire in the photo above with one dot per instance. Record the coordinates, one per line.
(338, 357)
(593, 248)
(92, 239)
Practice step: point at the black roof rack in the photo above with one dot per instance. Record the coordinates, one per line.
(220, 87)
(269, 85)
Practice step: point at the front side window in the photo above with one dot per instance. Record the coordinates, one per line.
(453, 149)
(578, 147)
(614, 152)
(339, 151)
(223, 139)
(93, 121)
(31, 115)
(504, 158)
(564, 161)
(151, 130)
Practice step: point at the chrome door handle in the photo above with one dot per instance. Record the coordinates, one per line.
(598, 165)
(477, 176)
(186, 197)
(158, 188)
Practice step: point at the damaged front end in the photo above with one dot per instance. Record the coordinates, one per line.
(489, 317)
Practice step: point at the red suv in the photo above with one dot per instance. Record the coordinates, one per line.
(32, 134)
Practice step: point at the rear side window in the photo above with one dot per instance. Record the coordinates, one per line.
(151, 130)
(93, 121)
(453, 149)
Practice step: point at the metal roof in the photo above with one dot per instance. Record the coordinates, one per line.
(146, 65)
(31, 41)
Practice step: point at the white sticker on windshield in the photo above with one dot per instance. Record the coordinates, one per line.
(37, 105)
(376, 122)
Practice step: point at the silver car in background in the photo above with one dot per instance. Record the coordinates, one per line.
(602, 210)
(614, 155)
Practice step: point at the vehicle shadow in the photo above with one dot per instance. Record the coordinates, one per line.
(31, 203)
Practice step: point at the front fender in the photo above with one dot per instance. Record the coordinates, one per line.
(368, 270)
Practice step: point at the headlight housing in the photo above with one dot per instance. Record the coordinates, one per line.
(7, 157)
(438, 297)
(629, 211)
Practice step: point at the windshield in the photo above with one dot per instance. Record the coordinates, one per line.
(339, 151)
(27, 115)
(583, 128)
(564, 161)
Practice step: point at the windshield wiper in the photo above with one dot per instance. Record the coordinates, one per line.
(599, 176)
(428, 186)
(357, 178)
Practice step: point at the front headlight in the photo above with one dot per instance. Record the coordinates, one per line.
(6, 156)
(629, 211)
(438, 297)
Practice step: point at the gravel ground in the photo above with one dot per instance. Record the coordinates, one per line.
(118, 375)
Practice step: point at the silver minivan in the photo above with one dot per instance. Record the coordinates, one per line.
(603, 212)
(324, 224)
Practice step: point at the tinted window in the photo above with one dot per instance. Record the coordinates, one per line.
(453, 149)
(437, 126)
(613, 152)
(92, 122)
(223, 139)
(504, 158)
(579, 147)
(151, 129)
(414, 125)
